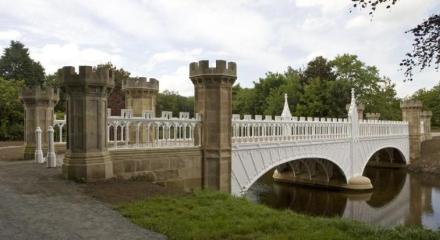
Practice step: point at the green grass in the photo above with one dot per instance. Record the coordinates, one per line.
(214, 215)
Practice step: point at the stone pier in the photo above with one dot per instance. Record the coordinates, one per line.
(411, 112)
(87, 157)
(39, 106)
(213, 100)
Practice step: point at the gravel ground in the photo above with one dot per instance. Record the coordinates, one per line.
(36, 203)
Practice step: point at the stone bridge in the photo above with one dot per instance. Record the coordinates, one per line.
(214, 148)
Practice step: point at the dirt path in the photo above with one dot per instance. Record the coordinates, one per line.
(35, 203)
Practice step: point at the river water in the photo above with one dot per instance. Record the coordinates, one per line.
(398, 198)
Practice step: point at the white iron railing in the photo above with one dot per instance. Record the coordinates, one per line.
(58, 126)
(380, 128)
(152, 132)
(297, 129)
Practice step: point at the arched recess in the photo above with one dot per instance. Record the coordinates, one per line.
(403, 160)
(387, 182)
(272, 166)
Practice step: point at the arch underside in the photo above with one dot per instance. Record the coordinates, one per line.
(251, 161)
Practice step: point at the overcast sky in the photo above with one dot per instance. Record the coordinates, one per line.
(160, 38)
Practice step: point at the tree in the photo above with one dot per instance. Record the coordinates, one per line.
(430, 99)
(172, 101)
(317, 92)
(11, 110)
(426, 45)
(16, 64)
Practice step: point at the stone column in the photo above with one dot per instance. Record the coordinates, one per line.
(372, 116)
(38, 112)
(411, 112)
(140, 96)
(213, 100)
(87, 157)
(426, 118)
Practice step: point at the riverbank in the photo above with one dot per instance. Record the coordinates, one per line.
(214, 215)
(429, 161)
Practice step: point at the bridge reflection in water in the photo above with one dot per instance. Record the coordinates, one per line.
(398, 198)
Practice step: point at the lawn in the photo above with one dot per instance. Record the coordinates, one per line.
(214, 215)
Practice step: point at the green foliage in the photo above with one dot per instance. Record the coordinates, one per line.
(172, 101)
(11, 110)
(321, 90)
(431, 102)
(16, 64)
(215, 215)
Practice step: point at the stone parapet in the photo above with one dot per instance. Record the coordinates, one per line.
(87, 75)
(372, 116)
(411, 104)
(140, 83)
(222, 68)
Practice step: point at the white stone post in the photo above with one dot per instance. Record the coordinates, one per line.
(38, 151)
(51, 156)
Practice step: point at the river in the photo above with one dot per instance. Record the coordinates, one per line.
(398, 198)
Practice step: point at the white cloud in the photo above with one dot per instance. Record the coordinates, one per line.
(177, 81)
(54, 56)
(10, 35)
(159, 38)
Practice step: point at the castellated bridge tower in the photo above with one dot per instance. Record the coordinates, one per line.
(213, 100)
(39, 106)
(87, 157)
(140, 94)
(411, 112)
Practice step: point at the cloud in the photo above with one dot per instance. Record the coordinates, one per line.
(160, 38)
(10, 35)
(177, 81)
(54, 56)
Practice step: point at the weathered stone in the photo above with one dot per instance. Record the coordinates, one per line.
(411, 111)
(372, 116)
(38, 106)
(213, 100)
(140, 96)
(87, 157)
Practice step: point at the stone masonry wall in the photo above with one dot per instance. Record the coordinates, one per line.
(177, 167)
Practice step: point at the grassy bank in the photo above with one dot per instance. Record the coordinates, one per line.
(213, 215)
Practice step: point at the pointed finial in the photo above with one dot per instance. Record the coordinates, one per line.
(352, 93)
(286, 111)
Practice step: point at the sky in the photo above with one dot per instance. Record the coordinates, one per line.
(159, 39)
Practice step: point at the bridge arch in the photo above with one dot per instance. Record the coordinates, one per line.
(241, 188)
(400, 148)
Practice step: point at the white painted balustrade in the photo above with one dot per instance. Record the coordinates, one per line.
(248, 130)
(58, 126)
(297, 129)
(380, 128)
(152, 132)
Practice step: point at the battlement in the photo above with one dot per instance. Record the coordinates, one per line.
(140, 83)
(426, 114)
(37, 92)
(372, 115)
(221, 68)
(100, 76)
(411, 104)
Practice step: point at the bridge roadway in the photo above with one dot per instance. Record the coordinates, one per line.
(342, 145)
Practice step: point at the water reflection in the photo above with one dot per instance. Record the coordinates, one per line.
(398, 198)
